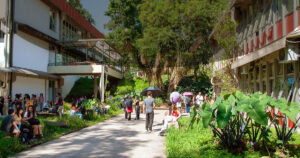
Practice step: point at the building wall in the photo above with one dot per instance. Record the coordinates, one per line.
(2, 61)
(27, 85)
(37, 15)
(68, 84)
(30, 53)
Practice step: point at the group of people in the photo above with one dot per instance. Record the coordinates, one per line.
(147, 109)
(78, 110)
(189, 101)
(38, 103)
(22, 115)
(25, 122)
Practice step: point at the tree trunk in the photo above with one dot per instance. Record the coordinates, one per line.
(177, 75)
(195, 73)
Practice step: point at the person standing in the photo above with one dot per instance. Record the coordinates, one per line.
(199, 100)
(149, 103)
(187, 102)
(60, 103)
(137, 108)
(129, 109)
(41, 102)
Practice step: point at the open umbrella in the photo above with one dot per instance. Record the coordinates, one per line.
(188, 93)
(155, 91)
(174, 97)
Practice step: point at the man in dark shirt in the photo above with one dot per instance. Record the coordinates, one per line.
(149, 103)
(9, 125)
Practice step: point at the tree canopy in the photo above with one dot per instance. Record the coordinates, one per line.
(76, 4)
(160, 36)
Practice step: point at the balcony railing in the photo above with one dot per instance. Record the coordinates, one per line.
(114, 67)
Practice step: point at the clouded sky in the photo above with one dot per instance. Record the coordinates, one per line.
(97, 8)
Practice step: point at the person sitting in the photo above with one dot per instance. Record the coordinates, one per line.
(31, 116)
(171, 119)
(74, 111)
(9, 124)
(46, 106)
(99, 109)
(18, 117)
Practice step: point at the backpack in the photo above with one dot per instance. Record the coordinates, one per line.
(128, 103)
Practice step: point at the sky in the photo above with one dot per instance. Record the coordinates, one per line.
(97, 8)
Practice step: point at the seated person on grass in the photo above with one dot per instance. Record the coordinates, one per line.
(171, 119)
(31, 116)
(74, 111)
(47, 106)
(9, 124)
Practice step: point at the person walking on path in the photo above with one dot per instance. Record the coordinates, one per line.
(137, 108)
(129, 103)
(149, 103)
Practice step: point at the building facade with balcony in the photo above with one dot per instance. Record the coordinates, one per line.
(45, 46)
(269, 37)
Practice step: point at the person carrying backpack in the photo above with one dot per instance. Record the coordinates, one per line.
(128, 104)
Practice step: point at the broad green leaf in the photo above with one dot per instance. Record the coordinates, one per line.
(231, 100)
(217, 103)
(223, 114)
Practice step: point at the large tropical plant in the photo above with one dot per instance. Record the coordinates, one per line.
(235, 115)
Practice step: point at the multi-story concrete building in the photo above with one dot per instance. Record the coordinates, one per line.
(267, 58)
(45, 46)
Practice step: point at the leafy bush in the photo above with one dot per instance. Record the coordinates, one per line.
(234, 115)
(189, 84)
(84, 86)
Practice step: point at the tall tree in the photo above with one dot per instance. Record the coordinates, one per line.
(164, 34)
(76, 4)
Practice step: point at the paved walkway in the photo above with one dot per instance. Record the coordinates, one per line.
(115, 138)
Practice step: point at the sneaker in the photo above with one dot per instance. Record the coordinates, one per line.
(150, 131)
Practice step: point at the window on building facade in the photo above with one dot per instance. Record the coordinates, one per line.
(52, 53)
(52, 24)
(298, 3)
(289, 6)
(69, 32)
(290, 68)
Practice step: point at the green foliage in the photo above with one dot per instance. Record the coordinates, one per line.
(76, 4)
(82, 87)
(89, 104)
(197, 142)
(235, 114)
(202, 84)
(157, 34)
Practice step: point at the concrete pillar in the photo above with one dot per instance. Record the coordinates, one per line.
(102, 86)
(268, 69)
(95, 87)
(260, 72)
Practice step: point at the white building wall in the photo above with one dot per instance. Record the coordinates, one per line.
(69, 82)
(36, 14)
(30, 52)
(2, 61)
(28, 85)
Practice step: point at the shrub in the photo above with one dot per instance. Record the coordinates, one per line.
(234, 115)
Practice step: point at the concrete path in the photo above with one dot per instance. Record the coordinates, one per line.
(114, 138)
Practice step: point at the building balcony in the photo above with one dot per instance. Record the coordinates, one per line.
(85, 68)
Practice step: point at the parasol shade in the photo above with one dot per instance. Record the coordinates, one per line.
(188, 93)
(156, 92)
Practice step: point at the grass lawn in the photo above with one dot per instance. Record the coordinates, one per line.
(10, 146)
(199, 142)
